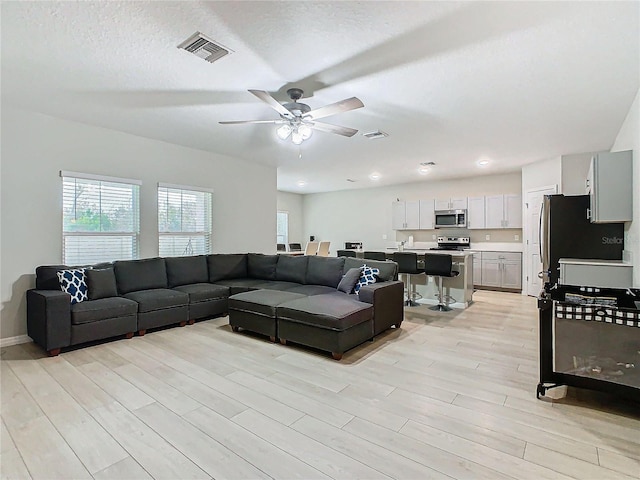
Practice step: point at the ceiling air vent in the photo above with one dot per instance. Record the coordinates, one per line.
(351, 180)
(204, 47)
(376, 134)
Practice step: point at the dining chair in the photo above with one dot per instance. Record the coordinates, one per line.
(295, 247)
(323, 249)
(311, 249)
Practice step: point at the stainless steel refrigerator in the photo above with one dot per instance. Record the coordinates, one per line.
(567, 232)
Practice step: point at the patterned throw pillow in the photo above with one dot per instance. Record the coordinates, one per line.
(74, 282)
(367, 277)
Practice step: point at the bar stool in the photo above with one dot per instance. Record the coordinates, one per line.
(346, 253)
(375, 256)
(439, 266)
(408, 265)
(281, 247)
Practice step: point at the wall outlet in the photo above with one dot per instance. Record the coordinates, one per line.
(516, 237)
(433, 237)
(384, 236)
(487, 237)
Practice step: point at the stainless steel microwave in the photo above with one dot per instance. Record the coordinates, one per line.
(451, 218)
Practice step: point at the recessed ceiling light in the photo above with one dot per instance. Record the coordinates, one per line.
(483, 162)
(375, 176)
(424, 170)
(301, 183)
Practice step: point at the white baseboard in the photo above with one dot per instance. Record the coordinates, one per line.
(7, 342)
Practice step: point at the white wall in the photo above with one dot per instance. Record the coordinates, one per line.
(36, 147)
(629, 139)
(365, 214)
(292, 203)
(575, 169)
(544, 173)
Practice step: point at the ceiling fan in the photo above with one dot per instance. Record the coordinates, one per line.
(298, 120)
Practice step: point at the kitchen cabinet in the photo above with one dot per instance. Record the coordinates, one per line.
(475, 213)
(427, 215)
(503, 211)
(609, 186)
(477, 268)
(453, 203)
(405, 215)
(501, 269)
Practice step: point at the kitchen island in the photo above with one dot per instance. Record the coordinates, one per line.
(459, 288)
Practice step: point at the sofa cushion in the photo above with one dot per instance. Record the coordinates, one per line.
(96, 310)
(158, 299)
(324, 271)
(261, 301)
(276, 285)
(367, 277)
(47, 277)
(101, 283)
(74, 282)
(261, 266)
(227, 266)
(134, 275)
(388, 270)
(334, 311)
(237, 285)
(312, 290)
(349, 280)
(186, 270)
(292, 268)
(201, 292)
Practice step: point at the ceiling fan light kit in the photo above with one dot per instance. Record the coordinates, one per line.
(298, 121)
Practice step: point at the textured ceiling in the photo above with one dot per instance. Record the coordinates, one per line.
(449, 82)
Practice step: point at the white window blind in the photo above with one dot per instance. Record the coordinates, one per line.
(282, 227)
(184, 220)
(100, 219)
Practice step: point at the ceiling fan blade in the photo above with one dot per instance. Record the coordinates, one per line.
(238, 122)
(272, 102)
(333, 108)
(327, 127)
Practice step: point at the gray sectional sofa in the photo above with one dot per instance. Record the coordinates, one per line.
(133, 296)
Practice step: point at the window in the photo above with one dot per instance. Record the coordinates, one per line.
(282, 227)
(184, 220)
(100, 219)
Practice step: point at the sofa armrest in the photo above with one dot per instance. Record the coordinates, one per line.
(387, 299)
(49, 318)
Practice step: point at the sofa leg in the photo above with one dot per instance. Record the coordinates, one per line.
(142, 332)
(235, 328)
(129, 335)
(54, 353)
(182, 324)
(273, 339)
(283, 341)
(336, 356)
(397, 325)
(191, 322)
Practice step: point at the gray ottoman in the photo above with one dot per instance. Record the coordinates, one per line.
(333, 322)
(256, 310)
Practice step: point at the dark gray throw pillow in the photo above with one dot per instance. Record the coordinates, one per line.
(101, 283)
(349, 280)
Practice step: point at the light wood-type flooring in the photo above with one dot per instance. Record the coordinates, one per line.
(449, 395)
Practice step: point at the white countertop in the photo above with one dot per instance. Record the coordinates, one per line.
(422, 251)
(596, 262)
(475, 246)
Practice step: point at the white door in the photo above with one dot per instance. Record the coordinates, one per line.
(494, 213)
(427, 218)
(475, 213)
(532, 261)
(412, 215)
(397, 216)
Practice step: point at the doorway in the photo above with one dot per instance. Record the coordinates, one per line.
(532, 260)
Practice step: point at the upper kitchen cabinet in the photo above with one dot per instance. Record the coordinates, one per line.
(405, 215)
(458, 203)
(503, 211)
(610, 186)
(427, 214)
(475, 213)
